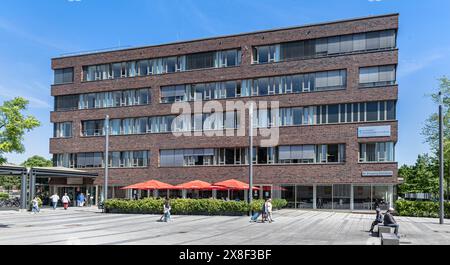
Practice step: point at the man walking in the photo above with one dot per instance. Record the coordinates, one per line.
(55, 199)
(65, 200)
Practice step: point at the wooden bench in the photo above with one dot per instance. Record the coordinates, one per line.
(389, 239)
(384, 229)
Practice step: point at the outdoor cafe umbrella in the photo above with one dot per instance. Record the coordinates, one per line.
(155, 185)
(133, 186)
(194, 185)
(233, 184)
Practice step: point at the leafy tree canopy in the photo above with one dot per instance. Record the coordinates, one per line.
(37, 161)
(13, 125)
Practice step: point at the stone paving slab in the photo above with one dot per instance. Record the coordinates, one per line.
(88, 226)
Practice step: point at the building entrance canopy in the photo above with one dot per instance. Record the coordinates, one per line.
(39, 172)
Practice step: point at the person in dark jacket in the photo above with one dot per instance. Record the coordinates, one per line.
(390, 221)
(378, 220)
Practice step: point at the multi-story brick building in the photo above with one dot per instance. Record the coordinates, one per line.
(336, 87)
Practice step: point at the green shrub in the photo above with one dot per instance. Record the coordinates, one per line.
(187, 206)
(4, 196)
(421, 208)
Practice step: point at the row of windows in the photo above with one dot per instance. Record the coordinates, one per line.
(204, 60)
(298, 154)
(325, 46)
(320, 81)
(288, 154)
(120, 98)
(161, 124)
(262, 118)
(326, 114)
(127, 159)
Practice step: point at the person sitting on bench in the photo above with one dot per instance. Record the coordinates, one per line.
(390, 221)
(378, 219)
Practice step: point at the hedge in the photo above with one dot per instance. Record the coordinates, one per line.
(421, 208)
(4, 196)
(187, 206)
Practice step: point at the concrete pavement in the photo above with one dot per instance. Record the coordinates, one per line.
(88, 226)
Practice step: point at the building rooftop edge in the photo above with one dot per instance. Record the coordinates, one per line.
(87, 53)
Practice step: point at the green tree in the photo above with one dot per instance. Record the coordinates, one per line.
(423, 177)
(13, 125)
(37, 161)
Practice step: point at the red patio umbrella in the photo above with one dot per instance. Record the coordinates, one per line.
(133, 186)
(155, 185)
(194, 185)
(234, 184)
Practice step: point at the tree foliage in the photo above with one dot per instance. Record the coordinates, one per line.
(431, 129)
(13, 125)
(423, 177)
(37, 161)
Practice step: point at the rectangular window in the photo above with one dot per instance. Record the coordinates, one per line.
(376, 152)
(200, 60)
(377, 76)
(69, 102)
(62, 130)
(63, 76)
(92, 128)
(372, 111)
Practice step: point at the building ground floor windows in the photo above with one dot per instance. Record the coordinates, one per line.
(351, 197)
(337, 196)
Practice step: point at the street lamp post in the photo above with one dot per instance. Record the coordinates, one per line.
(441, 161)
(105, 188)
(250, 151)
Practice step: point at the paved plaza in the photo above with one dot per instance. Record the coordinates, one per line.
(88, 226)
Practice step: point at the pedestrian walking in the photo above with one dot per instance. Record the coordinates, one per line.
(54, 198)
(264, 212)
(35, 205)
(167, 209)
(65, 200)
(269, 210)
(81, 200)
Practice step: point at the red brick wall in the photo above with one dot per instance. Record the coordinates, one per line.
(349, 172)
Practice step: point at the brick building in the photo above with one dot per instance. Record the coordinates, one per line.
(336, 87)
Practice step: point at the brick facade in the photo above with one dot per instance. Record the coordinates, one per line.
(345, 173)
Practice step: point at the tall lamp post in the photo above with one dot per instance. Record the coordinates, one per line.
(105, 188)
(250, 151)
(441, 161)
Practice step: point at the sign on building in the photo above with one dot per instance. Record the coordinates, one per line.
(374, 131)
(377, 173)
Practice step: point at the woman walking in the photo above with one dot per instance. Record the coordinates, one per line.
(166, 213)
(35, 205)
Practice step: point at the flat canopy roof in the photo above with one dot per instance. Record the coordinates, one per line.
(13, 170)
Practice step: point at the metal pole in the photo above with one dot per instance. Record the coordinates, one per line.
(441, 162)
(105, 188)
(250, 151)
(23, 191)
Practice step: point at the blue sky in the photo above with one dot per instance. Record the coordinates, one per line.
(32, 32)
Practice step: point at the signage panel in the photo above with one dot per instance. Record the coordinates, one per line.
(374, 131)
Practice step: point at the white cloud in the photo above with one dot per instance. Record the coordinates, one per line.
(10, 93)
(411, 66)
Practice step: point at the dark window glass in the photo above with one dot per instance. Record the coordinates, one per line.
(263, 84)
(63, 76)
(355, 112)
(362, 109)
(349, 112)
(292, 50)
(231, 89)
(229, 156)
(333, 113)
(382, 111)
(66, 102)
(333, 153)
(200, 60)
(262, 155)
(342, 111)
(262, 54)
(372, 111)
(372, 40)
(391, 110)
